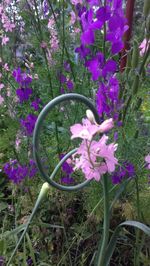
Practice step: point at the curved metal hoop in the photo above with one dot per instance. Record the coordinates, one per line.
(36, 134)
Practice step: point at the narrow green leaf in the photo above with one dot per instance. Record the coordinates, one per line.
(31, 249)
(13, 232)
(3, 206)
(119, 191)
(24, 253)
(113, 240)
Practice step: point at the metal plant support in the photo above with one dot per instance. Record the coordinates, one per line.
(38, 126)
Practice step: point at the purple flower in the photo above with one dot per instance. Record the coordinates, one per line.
(101, 100)
(103, 14)
(117, 47)
(87, 37)
(67, 180)
(67, 168)
(17, 75)
(45, 8)
(127, 170)
(2, 261)
(67, 66)
(35, 104)
(83, 51)
(62, 78)
(62, 90)
(93, 67)
(116, 29)
(109, 68)
(21, 78)
(29, 261)
(80, 10)
(89, 25)
(17, 172)
(28, 123)
(32, 168)
(23, 94)
(114, 89)
(93, 2)
(115, 136)
(70, 85)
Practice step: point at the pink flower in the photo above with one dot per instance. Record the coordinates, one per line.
(85, 131)
(106, 125)
(8, 26)
(6, 67)
(88, 130)
(1, 100)
(5, 39)
(75, 2)
(1, 86)
(147, 160)
(77, 30)
(43, 45)
(144, 46)
(1, 10)
(73, 17)
(95, 158)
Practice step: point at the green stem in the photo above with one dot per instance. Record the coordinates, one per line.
(137, 245)
(136, 83)
(105, 236)
(104, 38)
(41, 196)
(62, 40)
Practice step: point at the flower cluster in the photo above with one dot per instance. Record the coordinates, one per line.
(5, 69)
(17, 172)
(66, 83)
(6, 23)
(94, 158)
(94, 16)
(125, 171)
(24, 91)
(28, 123)
(53, 45)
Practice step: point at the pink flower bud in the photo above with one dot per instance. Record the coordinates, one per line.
(106, 125)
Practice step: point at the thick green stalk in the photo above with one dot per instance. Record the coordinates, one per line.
(42, 194)
(105, 236)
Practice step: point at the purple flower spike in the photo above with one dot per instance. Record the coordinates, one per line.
(24, 94)
(28, 123)
(35, 104)
(87, 37)
(109, 68)
(93, 67)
